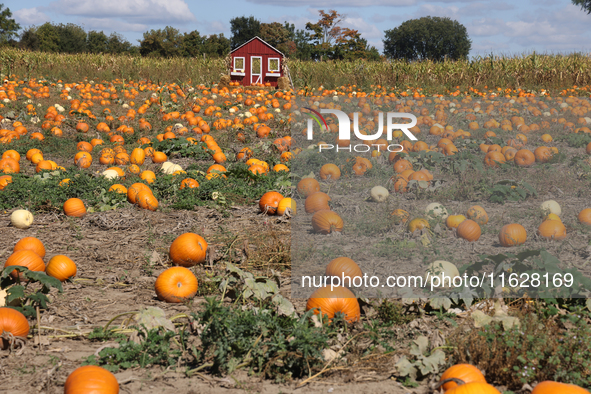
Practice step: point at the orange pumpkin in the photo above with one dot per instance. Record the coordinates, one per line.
(30, 243)
(512, 235)
(478, 214)
(494, 158)
(138, 156)
(465, 372)
(286, 205)
(91, 379)
(25, 258)
(134, 190)
(189, 182)
(146, 200)
(61, 267)
(474, 388)
(330, 171)
(269, 202)
(317, 201)
(344, 267)
(552, 229)
(326, 222)
(543, 154)
(469, 230)
(417, 224)
(453, 221)
(188, 249)
(307, 186)
(548, 387)
(328, 302)
(13, 322)
(585, 216)
(524, 158)
(74, 207)
(176, 284)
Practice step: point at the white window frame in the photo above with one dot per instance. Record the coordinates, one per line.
(239, 71)
(278, 65)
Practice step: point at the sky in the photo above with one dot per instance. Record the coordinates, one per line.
(496, 27)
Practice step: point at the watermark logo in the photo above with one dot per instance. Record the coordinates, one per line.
(345, 124)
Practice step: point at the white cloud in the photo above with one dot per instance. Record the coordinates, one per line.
(159, 12)
(30, 16)
(109, 24)
(336, 3)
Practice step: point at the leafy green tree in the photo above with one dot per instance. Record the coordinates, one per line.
(161, 43)
(48, 36)
(350, 46)
(71, 38)
(585, 5)
(244, 29)
(191, 44)
(304, 49)
(8, 26)
(279, 36)
(29, 39)
(216, 45)
(433, 38)
(96, 42)
(116, 44)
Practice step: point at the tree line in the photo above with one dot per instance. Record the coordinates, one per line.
(434, 38)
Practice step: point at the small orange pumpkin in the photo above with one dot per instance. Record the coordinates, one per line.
(585, 216)
(74, 207)
(134, 190)
(512, 235)
(30, 243)
(478, 214)
(91, 379)
(344, 267)
(469, 230)
(269, 202)
(465, 372)
(326, 222)
(453, 221)
(307, 186)
(25, 258)
(61, 267)
(549, 387)
(188, 249)
(474, 388)
(13, 322)
(317, 201)
(552, 229)
(328, 302)
(146, 200)
(330, 171)
(176, 284)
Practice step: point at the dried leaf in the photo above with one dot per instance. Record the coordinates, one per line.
(481, 319)
(406, 368)
(153, 317)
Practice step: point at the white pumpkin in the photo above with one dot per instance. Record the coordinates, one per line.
(166, 164)
(439, 268)
(436, 210)
(379, 193)
(551, 206)
(110, 174)
(170, 168)
(21, 218)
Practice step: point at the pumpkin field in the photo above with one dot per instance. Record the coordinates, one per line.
(155, 233)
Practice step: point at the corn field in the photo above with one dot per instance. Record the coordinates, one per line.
(526, 72)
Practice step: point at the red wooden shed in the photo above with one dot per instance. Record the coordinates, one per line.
(256, 61)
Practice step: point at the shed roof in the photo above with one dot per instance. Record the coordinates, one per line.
(263, 41)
